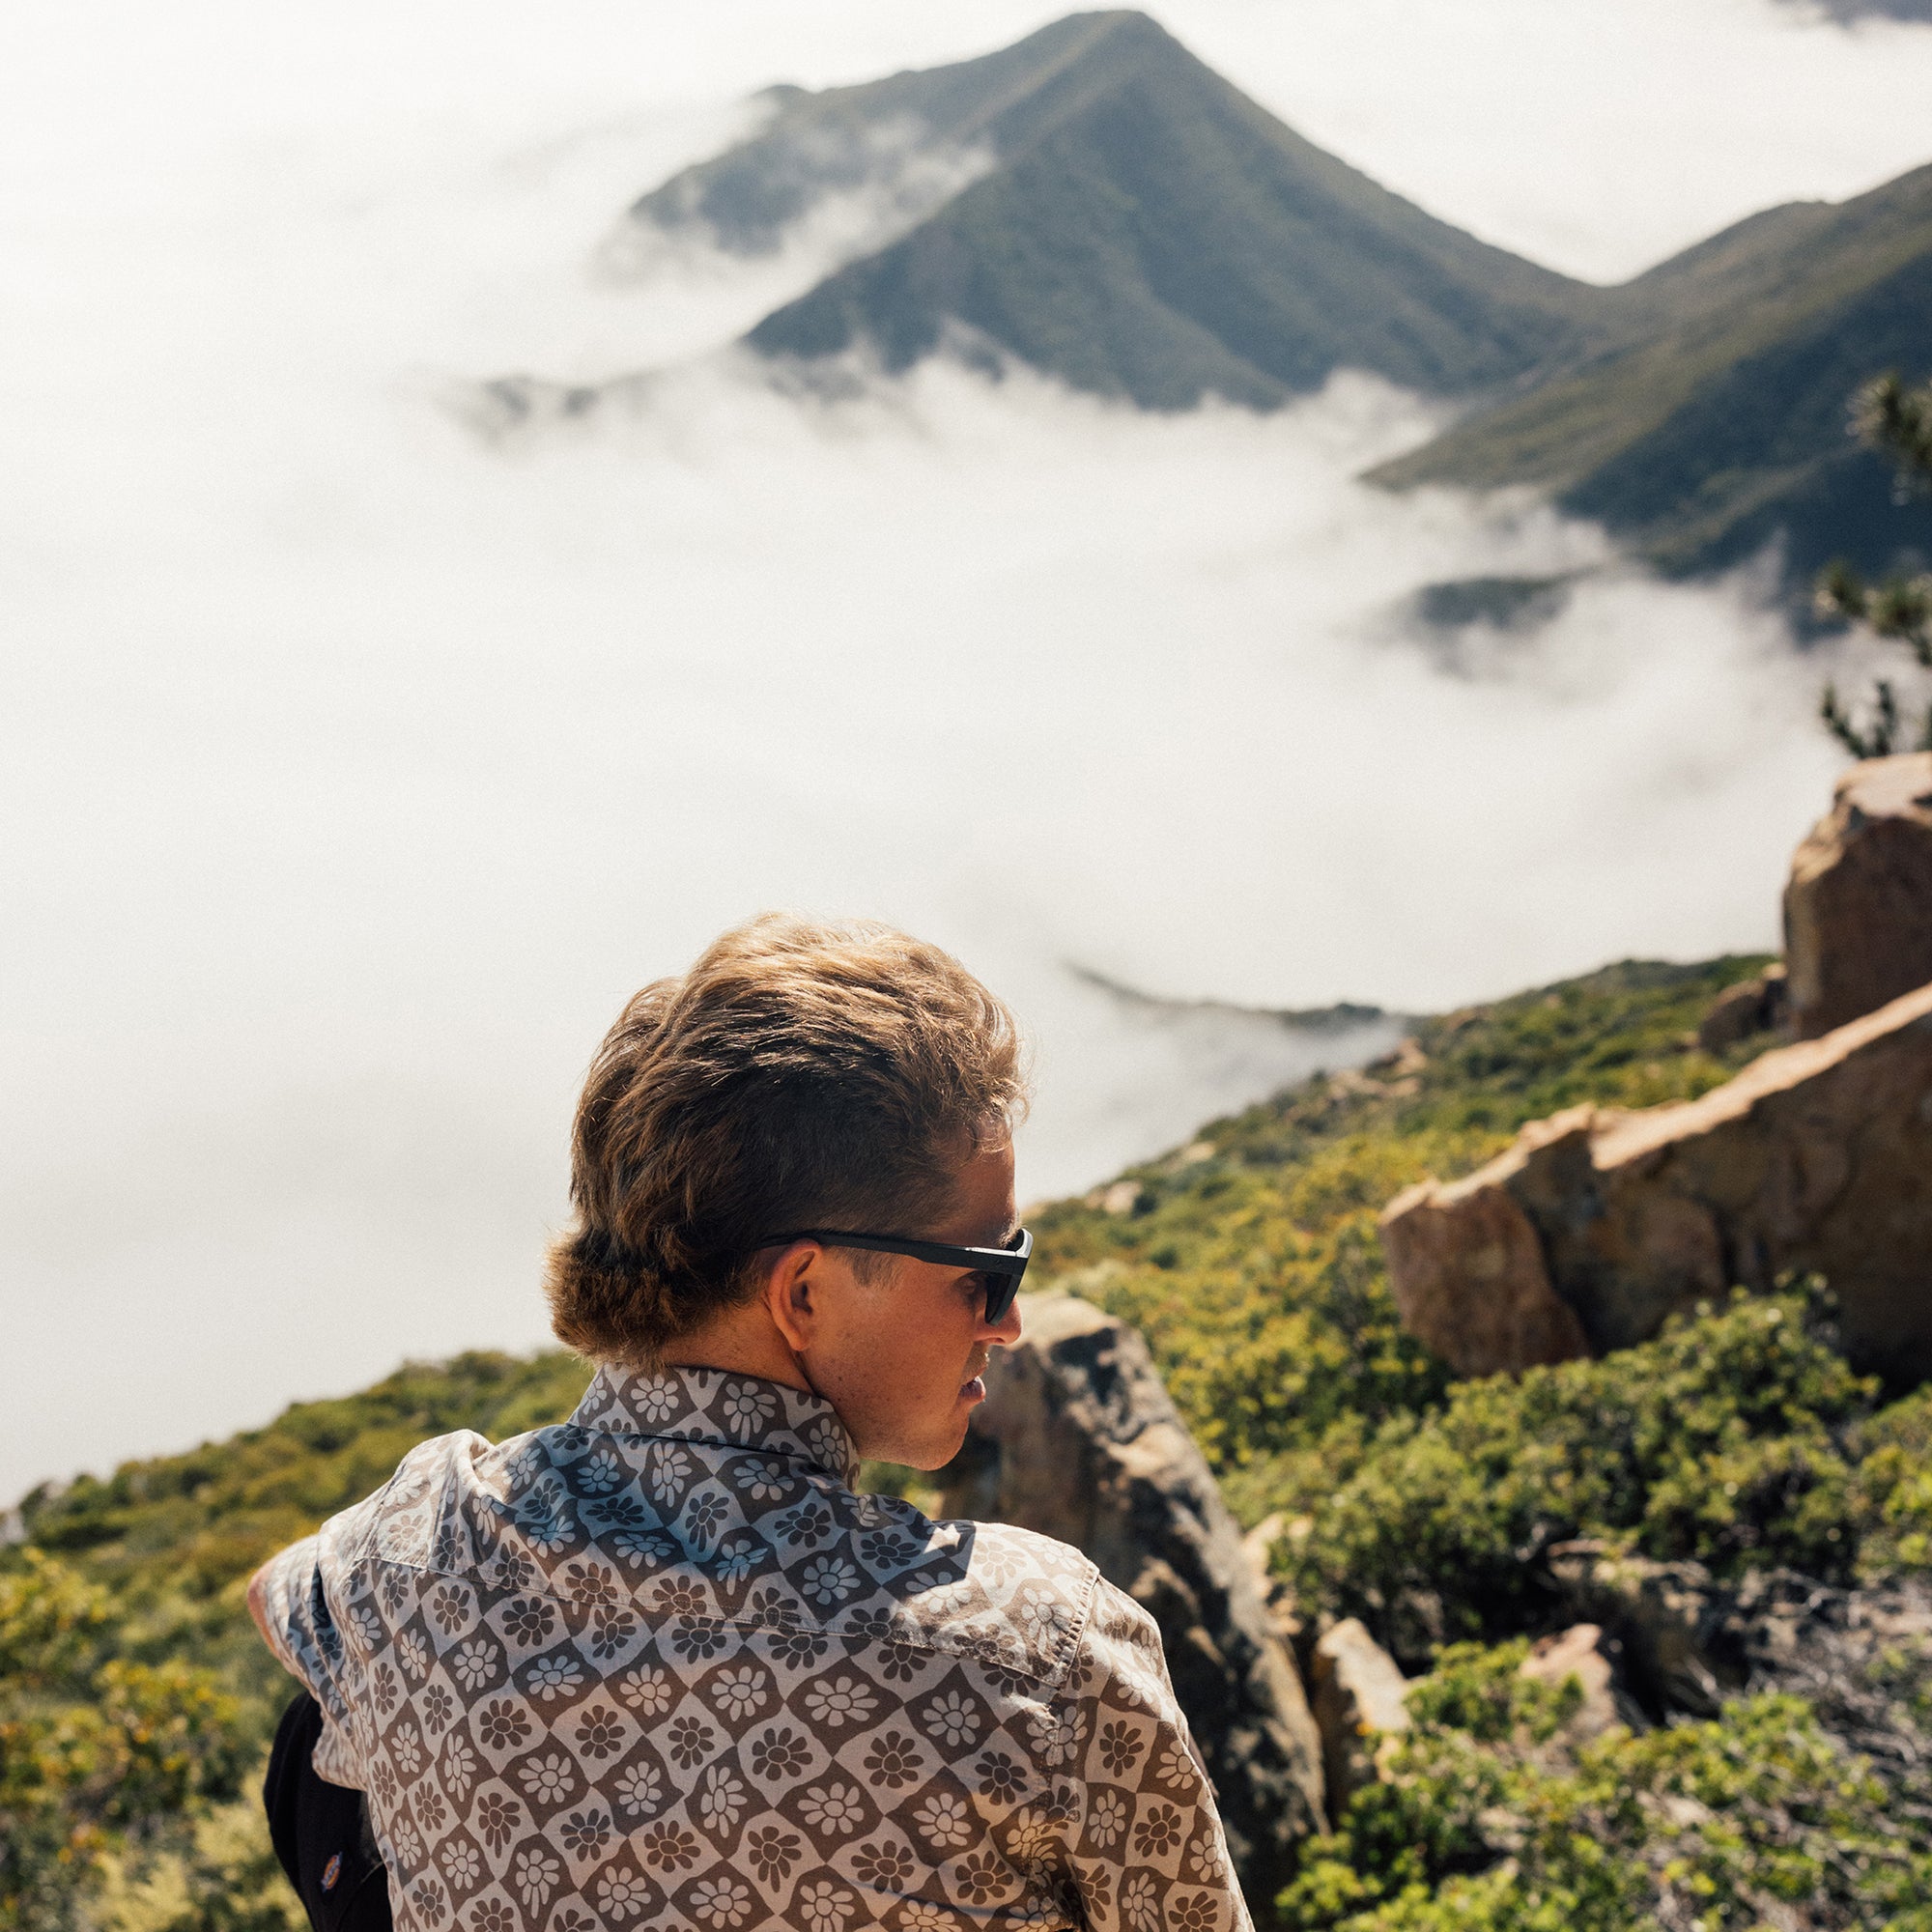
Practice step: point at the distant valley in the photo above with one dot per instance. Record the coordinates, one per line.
(1096, 203)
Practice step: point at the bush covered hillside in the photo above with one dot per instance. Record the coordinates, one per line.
(1734, 1464)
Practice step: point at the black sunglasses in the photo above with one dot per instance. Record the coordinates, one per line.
(1003, 1267)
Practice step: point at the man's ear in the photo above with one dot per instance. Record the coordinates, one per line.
(791, 1294)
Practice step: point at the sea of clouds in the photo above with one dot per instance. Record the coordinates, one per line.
(354, 766)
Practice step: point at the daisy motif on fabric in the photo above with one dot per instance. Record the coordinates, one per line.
(599, 1473)
(655, 1398)
(721, 1797)
(826, 1907)
(586, 1833)
(827, 1580)
(534, 1873)
(945, 1820)
(833, 1807)
(623, 1894)
(772, 1852)
(953, 1720)
(841, 1701)
(552, 1679)
(745, 1408)
(460, 1864)
(549, 1779)
(721, 1901)
(647, 1691)
(1140, 1900)
(498, 1817)
(763, 1478)
(640, 1789)
(740, 1693)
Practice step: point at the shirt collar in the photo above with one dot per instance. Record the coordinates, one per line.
(719, 1406)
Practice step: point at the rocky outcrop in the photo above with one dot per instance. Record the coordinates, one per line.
(1078, 1438)
(1596, 1225)
(1685, 1640)
(1742, 1012)
(1857, 910)
(1667, 1620)
(1359, 1694)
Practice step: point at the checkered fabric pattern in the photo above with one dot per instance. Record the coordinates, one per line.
(660, 1667)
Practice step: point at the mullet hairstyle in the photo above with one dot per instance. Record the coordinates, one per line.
(800, 1076)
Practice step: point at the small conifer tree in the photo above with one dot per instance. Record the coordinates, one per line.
(1896, 422)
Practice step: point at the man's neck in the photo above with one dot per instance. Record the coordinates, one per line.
(741, 1341)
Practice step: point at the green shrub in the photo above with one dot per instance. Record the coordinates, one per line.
(1894, 1488)
(1725, 1440)
(1754, 1819)
(100, 1758)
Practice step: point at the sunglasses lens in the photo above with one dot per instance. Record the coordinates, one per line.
(1001, 1287)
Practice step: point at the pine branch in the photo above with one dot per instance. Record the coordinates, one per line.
(1897, 423)
(1877, 740)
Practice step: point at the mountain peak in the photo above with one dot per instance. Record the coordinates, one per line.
(843, 140)
(1096, 201)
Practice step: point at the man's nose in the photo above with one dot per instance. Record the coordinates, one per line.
(1006, 1332)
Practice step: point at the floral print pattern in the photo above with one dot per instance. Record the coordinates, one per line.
(660, 1667)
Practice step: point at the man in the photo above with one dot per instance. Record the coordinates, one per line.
(660, 1666)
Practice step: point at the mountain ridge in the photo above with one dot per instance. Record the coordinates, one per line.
(1096, 203)
(1720, 417)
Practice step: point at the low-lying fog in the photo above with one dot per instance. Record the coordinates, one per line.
(356, 767)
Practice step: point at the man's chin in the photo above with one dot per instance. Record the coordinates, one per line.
(938, 1449)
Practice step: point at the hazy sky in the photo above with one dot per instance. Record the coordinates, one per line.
(354, 769)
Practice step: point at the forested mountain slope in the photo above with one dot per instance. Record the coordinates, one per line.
(1719, 416)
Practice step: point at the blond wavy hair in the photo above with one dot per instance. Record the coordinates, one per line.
(801, 1074)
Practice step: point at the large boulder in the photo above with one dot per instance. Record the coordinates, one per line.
(1857, 910)
(1078, 1438)
(1596, 1225)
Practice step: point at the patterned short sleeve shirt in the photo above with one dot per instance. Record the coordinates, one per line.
(660, 1667)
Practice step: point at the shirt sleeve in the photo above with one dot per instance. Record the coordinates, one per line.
(301, 1601)
(288, 1582)
(1143, 1843)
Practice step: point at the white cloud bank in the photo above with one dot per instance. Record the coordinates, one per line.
(354, 772)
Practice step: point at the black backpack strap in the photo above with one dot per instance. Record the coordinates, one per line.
(321, 1832)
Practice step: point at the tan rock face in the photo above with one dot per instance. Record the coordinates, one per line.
(1581, 1652)
(1359, 1692)
(1857, 910)
(1469, 1278)
(1596, 1226)
(1079, 1439)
